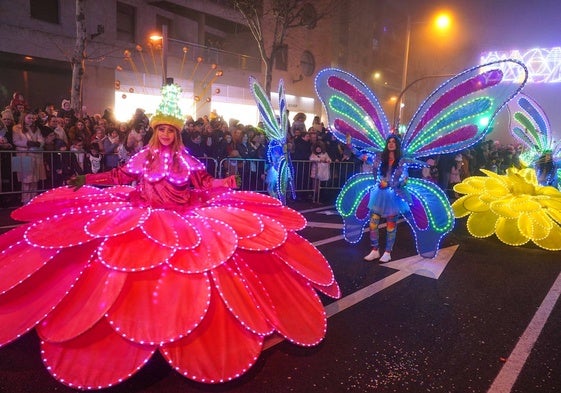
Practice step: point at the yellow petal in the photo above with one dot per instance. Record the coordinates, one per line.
(458, 207)
(475, 204)
(482, 224)
(507, 232)
(496, 187)
(528, 175)
(552, 241)
(554, 215)
(503, 208)
(524, 203)
(487, 198)
(550, 191)
(490, 174)
(471, 185)
(550, 203)
(535, 225)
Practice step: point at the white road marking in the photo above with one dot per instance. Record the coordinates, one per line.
(416, 264)
(511, 369)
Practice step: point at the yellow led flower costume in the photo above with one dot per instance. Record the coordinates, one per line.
(512, 206)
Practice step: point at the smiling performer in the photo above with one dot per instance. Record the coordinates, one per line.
(179, 264)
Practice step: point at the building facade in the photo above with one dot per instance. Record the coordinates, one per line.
(206, 48)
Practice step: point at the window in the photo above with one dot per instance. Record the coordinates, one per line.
(307, 63)
(126, 22)
(281, 58)
(45, 10)
(160, 21)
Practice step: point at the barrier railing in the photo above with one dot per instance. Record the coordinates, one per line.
(252, 173)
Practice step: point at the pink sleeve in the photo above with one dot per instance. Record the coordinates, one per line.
(203, 180)
(115, 176)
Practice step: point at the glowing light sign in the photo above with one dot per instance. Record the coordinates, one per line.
(544, 65)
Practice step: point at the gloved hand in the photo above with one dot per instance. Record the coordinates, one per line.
(234, 181)
(77, 182)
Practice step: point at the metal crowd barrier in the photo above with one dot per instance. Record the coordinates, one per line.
(252, 173)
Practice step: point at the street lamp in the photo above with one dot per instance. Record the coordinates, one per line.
(164, 39)
(442, 22)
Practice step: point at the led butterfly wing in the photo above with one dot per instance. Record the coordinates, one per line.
(277, 156)
(352, 205)
(355, 117)
(430, 215)
(454, 117)
(530, 125)
(286, 170)
(268, 116)
(459, 113)
(353, 111)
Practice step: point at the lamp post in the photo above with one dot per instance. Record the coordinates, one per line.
(442, 22)
(406, 56)
(164, 54)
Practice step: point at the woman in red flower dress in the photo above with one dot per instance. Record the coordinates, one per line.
(179, 264)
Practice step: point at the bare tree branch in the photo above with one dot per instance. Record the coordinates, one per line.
(278, 17)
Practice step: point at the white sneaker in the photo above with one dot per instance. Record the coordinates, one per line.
(386, 257)
(374, 254)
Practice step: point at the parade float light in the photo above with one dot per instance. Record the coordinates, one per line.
(543, 63)
(514, 207)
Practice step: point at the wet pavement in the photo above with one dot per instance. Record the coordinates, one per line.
(481, 317)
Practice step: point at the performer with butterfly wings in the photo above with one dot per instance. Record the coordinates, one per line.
(530, 125)
(455, 116)
(280, 175)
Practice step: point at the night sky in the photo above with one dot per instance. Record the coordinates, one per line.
(498, 25)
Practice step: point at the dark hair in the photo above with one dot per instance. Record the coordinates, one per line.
(385, 157)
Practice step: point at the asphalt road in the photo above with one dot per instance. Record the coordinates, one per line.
(481, 317)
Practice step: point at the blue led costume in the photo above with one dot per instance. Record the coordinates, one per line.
(530, 125)
(280, 173)
(455, 116)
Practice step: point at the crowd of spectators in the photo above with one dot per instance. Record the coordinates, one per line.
(78, 143)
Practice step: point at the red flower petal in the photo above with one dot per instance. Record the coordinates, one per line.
(245, 223)
(272, 236)
(13, 271)
(59, 200)
(132, 251)
(157, 227)
(25, 305)
(97, 359)
(220, 349)
(291, 219)
(332, 290)
(66, 230)
(94, 293)
(218, 244)
(160, 305)
(116, 222)
(306, 260)
(298, 309)
(13, 236)
(243, 197)
(236, 296)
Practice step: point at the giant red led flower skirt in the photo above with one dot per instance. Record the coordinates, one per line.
(106, 283)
